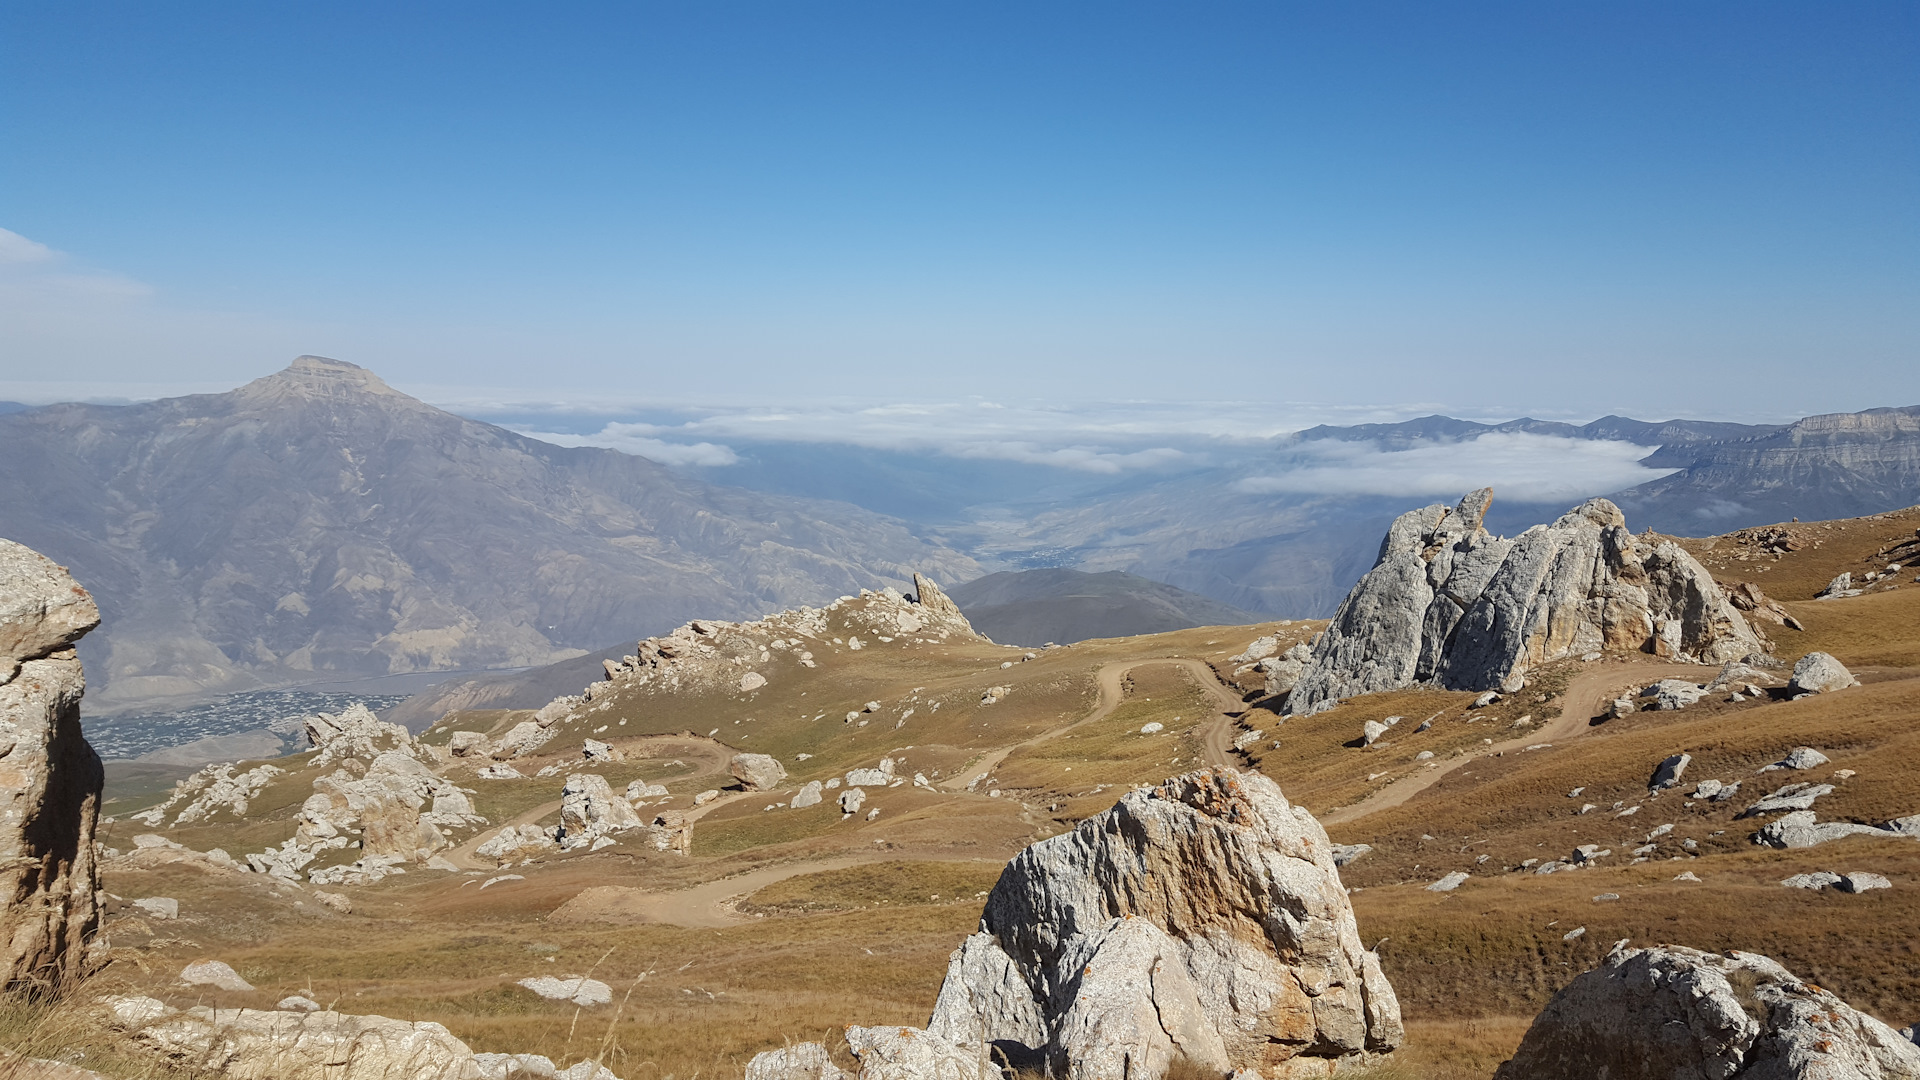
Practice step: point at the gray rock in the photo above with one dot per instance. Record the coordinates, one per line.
(1802, 757)
(852, 799)
(757, 772)
(589, 811)
(1672, 694)
(214, 973)
(1668, 773)
(159, 907)
(577, 989)
(1450, 882)
(1208, 908)
(1672, 1013)
(1791, 797)
(1371, 731)
(1819, 673)
(904, 1053)
(469, 744)
(1707, 789)
(801, 1061)
(595, 750)
(49, 872)
(1346, 853)
(1450, 604)
(1861, 881)
(1815, 881)
(808, 795)
(1799, 830)
(1838, 588)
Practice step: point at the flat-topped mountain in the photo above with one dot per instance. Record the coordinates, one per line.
(1034, 607)
(1830, 466)
(318, 520)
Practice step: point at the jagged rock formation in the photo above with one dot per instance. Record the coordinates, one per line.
(1673, 1013)
(1451, 604)
(50, 778)
(710, 656)
(316, 1044)
(381, 797)
(318, 520)
(1201, 919)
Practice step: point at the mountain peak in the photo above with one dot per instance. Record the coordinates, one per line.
(320, 377)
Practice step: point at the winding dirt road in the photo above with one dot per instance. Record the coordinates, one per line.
(1583, 699)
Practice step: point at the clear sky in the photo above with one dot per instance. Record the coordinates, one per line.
(1706, 209)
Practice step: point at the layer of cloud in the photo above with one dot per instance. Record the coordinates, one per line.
(1520, 466)
(636, 439)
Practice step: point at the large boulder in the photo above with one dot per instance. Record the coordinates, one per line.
(1820, 673)
(1203, 919)
(1672, 1013)
(757, 772)
(1451, 604)
(589, 810)
(50, 778)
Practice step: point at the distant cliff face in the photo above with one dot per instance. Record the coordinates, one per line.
(318, 520)
(1822, 467)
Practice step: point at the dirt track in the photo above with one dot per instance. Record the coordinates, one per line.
(1582, 703)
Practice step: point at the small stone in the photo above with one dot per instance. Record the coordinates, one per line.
(159, 907)
(1860, 881)
(1450, 882)
(1816, 881)
(213, 973)
(1151, 727)
(1573, 934)
(577, 989)
(1687, 875)
(1605, 897)
(298, 1003)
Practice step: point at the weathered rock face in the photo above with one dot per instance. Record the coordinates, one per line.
(757, 772)
(49, 777)
(1672, 1013)
(262, 1044)
(1820, 673)
(589, 810)
(1202, 919)
(1451, 604)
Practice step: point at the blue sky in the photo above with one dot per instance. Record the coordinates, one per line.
(1704, 209)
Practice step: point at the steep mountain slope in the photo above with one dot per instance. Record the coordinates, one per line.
(1034, 607)
(319, 521)
(1831, 466)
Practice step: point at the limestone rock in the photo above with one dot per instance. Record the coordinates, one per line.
(595, 750)
(1819, 673)
(1450, 882)
(1813, 882)
(808, 795)
(801, 1061)
(1791, 797)
(158, 907)
(757, 772)
(523, 738)
(280, 1044)
(1799, 830)
(469, 744)
(1669, 772)
(1283, 672)
(589, 811)
(575, 988)
(937, 610)
(1839, 588)
(1240, 905)
(851, 800)
(214, 973)
(515, 842)
(50, 779)
(904, 1053)
(1673, 1013)
(1801, 757)
(1861, 881)
(1673, 694)
(1450, 604)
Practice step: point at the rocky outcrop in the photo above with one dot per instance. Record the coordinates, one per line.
(315, 1044)
(1449, 604)
(1820, 673)
(589, 811)
(715, 657)
(380, 798)
(1672, 1013)
(50, 778)
(1203, 919)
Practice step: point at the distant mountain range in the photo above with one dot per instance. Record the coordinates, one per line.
(318, 521)
(1035, 607)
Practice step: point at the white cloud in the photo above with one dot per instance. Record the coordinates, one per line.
(15, 248)
(634, 439)
(1518, 465)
